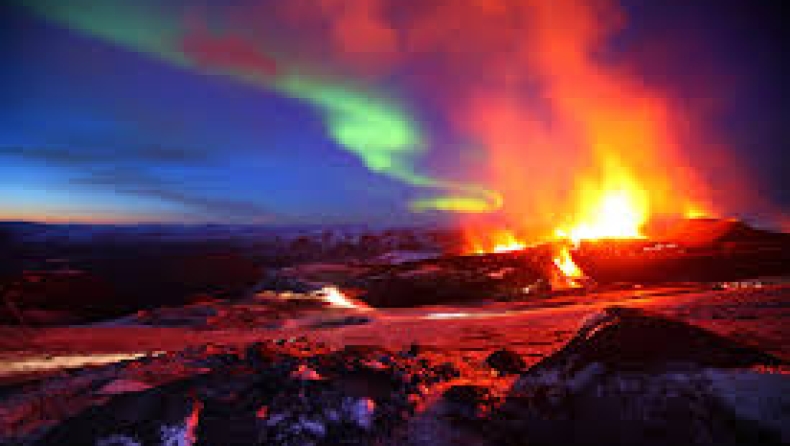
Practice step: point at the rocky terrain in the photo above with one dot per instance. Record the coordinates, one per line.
(625, 376)
(69, 274)
(405, 350)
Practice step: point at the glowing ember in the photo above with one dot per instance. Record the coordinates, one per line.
(501, 241)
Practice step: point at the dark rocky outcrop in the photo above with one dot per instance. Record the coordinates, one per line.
(288, 392)
(631, 377)
(151, 417)
(455, 279)
(506, 361)
(630, 339)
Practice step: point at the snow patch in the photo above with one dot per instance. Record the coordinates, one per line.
(360, 411)
(312, 426)
(176, 435)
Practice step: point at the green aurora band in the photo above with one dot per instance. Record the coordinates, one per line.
(376, 130)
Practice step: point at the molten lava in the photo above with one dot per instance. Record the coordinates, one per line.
(498, 241)
(566, 265)
(615, 207)
(619, 210)
(617, 217)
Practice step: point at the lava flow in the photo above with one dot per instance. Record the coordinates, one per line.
(564, 262)
(617, 213)
(619, 210)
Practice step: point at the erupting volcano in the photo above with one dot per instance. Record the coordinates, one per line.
(614, 208)
(393, 222)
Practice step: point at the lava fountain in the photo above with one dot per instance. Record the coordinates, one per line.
(618, 210)
(615, 208)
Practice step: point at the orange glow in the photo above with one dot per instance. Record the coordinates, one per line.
(600, 153)
(59, 216)
(496, 241)
(618, 208)
(566, 265)
(696, 212)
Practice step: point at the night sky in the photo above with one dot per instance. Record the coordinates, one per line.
(191, 111)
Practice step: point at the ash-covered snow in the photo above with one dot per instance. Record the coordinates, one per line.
(360, 411)
(177, 435)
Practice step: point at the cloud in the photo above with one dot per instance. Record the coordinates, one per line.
(47, 155)
(77, 156)
(145, 185)
(125, 172)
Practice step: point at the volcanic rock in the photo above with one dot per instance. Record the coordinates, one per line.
(260, 354)
(631, 377)
(57, 297)
(630, 339)
(453, 279)
(700, 232)
(413, 351)
(694, 250)
(447, 370)
(294, 392)
(466, 401)
(342, 322)
(152, 417)
(506, 361)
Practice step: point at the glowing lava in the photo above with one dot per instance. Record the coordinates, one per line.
(618, 210)
(613, 208)
(616, 207)
(566, 265)
(498, 241)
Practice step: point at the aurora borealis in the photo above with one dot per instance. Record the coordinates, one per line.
(379, 132)
(335, 110)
